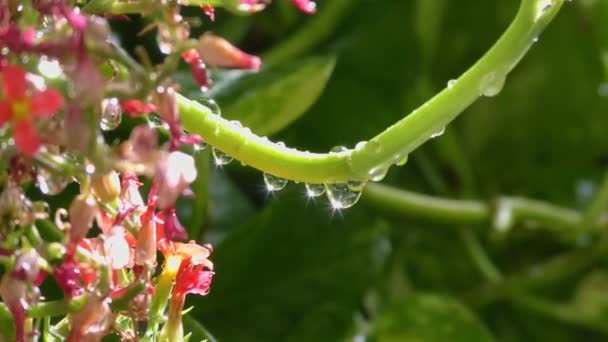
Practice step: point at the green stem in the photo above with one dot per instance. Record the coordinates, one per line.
(316, 30)
(396, 141)
(473, 212)
(559, 312)
(537, 277)
(56, 307)
(480, 257)
(114, 7)
(598, 206)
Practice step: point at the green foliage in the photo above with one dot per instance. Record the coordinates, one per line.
(292, 270)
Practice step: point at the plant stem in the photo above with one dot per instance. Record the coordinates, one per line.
(56, 307)
(470, 211)
(396, 141)
(598, 206)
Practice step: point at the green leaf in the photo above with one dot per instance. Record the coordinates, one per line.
(429, 318)
(591, 297)
(196, 330)
(271, 100)
(292, 271)
(7, 327)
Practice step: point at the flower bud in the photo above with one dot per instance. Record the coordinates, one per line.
(82, 213)
(145, 247)
(92, 321)
(174, 174)
(166, 104)
(26, 266)
(218, 52)
(106, 187)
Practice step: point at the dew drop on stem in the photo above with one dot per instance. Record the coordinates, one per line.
(378, 173)
(211, 104)
(314, 190)
(111, 114)
(451, 83)
(220, 157)
(344, 195)
(274, 183)
(492, 83)
(438, 133)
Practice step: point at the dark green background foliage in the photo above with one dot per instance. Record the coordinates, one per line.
(291, 269)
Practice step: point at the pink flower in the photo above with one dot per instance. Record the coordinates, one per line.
(21, 106)
(193, 278)
(218, 52)
(306, 6)
(209, 11)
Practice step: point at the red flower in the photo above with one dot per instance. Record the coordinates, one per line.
(193, 278)
(136, 108)
(21, 106)
(209, 11)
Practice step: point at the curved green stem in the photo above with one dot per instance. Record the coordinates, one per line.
(395, 142)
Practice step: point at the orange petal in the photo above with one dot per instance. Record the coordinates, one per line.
(26, 138)
(46, 103)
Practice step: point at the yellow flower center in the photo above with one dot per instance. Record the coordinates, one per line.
(21, 110)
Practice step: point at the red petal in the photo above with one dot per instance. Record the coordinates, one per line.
(136, 108)
(5, 112)
(26, 138)
(14, 84)
(46, 103)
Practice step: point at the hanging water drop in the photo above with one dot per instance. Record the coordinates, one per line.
(451, 83)
(378, 173)
(220, 157)
(314, 190)
(344, 195)
(111, 114)
(543, 7)
(164, 39)
(211, 104)
(274, 183)
(50, 184)
(438, 133)
(199, 147)
(492, 83)
(400, 160)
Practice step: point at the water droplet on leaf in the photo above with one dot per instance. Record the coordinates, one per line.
(451, 83)
(378, 173)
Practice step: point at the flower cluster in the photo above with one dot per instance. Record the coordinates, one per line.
(64, 84)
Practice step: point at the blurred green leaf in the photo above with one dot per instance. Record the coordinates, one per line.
(591, 297)
(7, 328)
(429, 318)
(197, 330)
(294, 273)
(269, 101)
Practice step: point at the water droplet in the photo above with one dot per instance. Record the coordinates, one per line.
(50, 184)
(236, 123)
(155, 121)
(344, 195)
(378, 173)
(602, 89)
(492, 83)
(40, 209)
(338, 149)
(401, 160)
(438, 133)
(211, 104)
(164, 39)
(360, 145)
(200, 147)
(451, 83)
(220, 157)
(543, 7)
(314, 190)
(274, 183)
(111, 114)
(535, 39)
